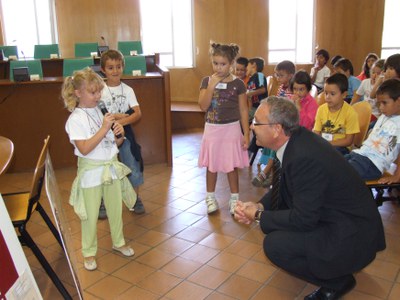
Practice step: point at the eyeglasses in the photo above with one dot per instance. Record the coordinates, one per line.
(254, 123)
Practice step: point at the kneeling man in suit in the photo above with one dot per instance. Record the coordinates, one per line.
(320, 220)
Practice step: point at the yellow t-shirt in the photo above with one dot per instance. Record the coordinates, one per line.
(339, 123)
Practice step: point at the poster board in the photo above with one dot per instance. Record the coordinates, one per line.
(55, 199)
(16, 278)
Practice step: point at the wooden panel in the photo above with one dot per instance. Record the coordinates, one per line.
(87, 21)
(32, 110)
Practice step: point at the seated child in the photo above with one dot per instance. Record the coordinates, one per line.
(368, 62)
(306, 104)
(241, 69)
(320, 72)
(257, 84)
(366, 87)
(336, 120)
(284, 72)
(392, 70)
(381, 148)
(333, 62)
(345, 67)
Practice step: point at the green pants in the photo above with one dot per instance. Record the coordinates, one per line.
(112, 196)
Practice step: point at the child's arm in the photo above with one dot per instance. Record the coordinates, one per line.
(395, 177)
(356, 98)
(378, 82)
(344, 142)
(259, 91)
(206, 95)
(244, 119)
(118, 129)
(125, 119)
(86, 146)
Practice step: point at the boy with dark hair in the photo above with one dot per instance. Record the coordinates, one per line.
(382, 147)
(241, 69)
(336, 120)
(320, 71)
(257, 84)
(120, 100)
(284, 72)
(345, 67)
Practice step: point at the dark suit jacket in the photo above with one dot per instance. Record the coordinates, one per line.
(322, 196)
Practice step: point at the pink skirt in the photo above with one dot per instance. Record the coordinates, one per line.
(221, 148)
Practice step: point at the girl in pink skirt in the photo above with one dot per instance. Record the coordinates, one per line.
(224, 146)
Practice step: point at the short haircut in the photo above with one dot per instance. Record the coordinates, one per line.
(390, 87)
(340, 80)
(259, 61)
(335, 59)
(345, 64)
(286, 65)
(301, 77)
(111, 55)
(379, 63)
(242, 61)
(393, 61)
(283, 111)
(324, 53)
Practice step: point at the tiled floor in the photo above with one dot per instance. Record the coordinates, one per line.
(181, 253)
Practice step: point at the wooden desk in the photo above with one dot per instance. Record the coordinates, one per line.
(6, 153)
(54, 67)
(33, 110)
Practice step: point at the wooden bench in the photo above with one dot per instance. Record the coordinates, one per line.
(383, 190)
(186, 115)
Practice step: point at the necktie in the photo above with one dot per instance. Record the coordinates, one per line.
(276, 177)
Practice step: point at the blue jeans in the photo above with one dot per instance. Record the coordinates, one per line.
(127, 158)
(363, 165)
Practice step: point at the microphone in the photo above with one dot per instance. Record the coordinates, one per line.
(104, 110)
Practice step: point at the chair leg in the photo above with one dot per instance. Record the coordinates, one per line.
(50, 224)
(253, 157)
(45, 264)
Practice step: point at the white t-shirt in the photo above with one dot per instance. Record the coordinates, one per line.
(382, 145)
(82, 124)
(118, 99)
(321, 75)
(365, 89)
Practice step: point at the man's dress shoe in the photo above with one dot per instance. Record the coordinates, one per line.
(324, 293)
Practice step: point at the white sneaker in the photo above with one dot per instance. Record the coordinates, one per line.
(90, 264)
(212, 205)
(232, 206)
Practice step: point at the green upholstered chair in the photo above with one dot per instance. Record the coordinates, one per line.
(44, 51)
(9, 50)
(127, 46)
(135, 63)
(74, 64)
(84, 49)
(34, 67)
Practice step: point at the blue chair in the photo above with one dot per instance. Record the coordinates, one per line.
(126, 47)
(135, 63)
(84, 49)
(9, 50)
(34, 67)
(74, 64)
(44, 51)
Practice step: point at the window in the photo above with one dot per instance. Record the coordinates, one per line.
(390, 36)
(291, 31)
(18, 13)
(168, 30)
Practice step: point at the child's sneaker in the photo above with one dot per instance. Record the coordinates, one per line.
(259, 179)
(268, 181)
(102, 211)
(212, 205)
(138, 208)
(232, 205)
